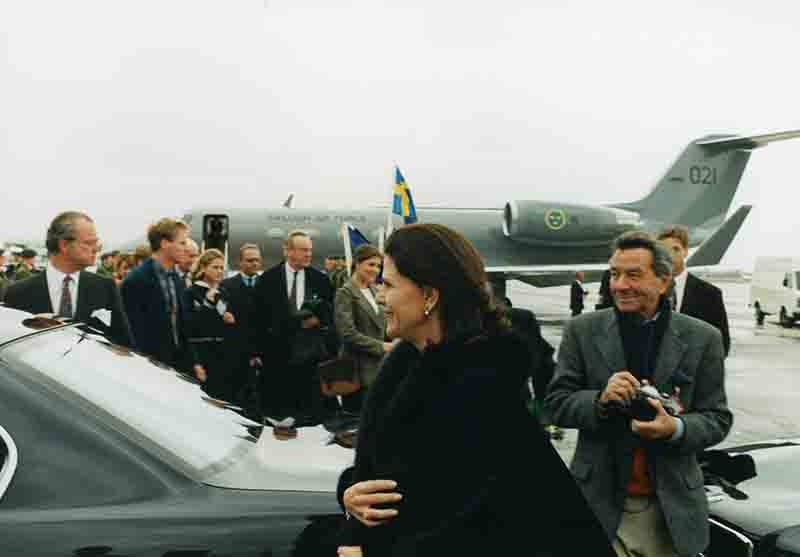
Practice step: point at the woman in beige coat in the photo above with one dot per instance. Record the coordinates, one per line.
(360, 321)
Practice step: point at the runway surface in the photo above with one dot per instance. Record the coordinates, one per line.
(761, 371)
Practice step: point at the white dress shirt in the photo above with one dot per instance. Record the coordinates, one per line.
(367, 293)
(301, 284)
(55, 283)
(680, 288)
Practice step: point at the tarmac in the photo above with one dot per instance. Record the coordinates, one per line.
(761, 371)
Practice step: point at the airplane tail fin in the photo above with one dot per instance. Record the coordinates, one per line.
(289, 201)
(698, 188)
(711, 251)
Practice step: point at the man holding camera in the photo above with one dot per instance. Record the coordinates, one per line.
(634, 460)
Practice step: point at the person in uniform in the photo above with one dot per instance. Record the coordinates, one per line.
(27, 266)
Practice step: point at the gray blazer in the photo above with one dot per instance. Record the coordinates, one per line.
(691, 357)
(361, 330)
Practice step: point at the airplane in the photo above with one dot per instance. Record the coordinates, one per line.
(541, 243)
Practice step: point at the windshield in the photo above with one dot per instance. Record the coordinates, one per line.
(148, 403)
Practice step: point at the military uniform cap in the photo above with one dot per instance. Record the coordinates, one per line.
(27, 252)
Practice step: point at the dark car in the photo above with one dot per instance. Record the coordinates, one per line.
(754, 499)
(104, 452)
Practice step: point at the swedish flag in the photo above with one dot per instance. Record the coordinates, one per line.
(403, 204)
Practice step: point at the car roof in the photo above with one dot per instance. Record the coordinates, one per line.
(166, 412)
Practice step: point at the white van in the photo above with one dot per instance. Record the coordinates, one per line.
(775, 289)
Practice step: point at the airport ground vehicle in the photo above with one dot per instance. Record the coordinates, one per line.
(760, 515)
(775, 289)
(103, 452)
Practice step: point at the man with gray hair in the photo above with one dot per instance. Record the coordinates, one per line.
(66, 289)
(635, 460)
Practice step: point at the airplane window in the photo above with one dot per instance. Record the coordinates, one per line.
(796, 279)
(8, 454)
(276, 233)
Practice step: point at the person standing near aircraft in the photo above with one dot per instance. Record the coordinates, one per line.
(446, 444)
(152, 296)
(577, 294)
(66, 289)
(241, 291)
(639, 472)
(210, 326)
(185, 264)
(294, 306)
(692, 295)
(361, 322)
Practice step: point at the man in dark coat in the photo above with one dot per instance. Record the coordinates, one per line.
(241, 294)
(692, 295)
(68, 291)
(294, 307)
(152, 294)
(576, 294)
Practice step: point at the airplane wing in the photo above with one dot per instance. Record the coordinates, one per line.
(709, 253)
(751, 142)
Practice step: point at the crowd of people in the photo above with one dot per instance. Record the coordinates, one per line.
(442, 373)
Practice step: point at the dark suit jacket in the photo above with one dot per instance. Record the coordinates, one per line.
(94, 292)
(242, 300)
(361, 330)
(147, 312)
(703, 300)
(691, 357)
(278, 325)
(576, 296)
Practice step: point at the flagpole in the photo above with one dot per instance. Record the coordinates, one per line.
(391, 202)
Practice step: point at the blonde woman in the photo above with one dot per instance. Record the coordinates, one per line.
(210, 324)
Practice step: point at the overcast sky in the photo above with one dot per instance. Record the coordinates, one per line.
(135, 110)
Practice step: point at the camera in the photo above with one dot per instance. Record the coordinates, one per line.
(639, 408)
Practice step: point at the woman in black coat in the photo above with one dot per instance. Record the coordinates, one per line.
(210, 326)
(448, 459)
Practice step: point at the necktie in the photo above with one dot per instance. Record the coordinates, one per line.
(65, 307)
(293, 293)
(250, 282)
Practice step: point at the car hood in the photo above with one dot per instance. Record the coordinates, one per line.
(773, 496)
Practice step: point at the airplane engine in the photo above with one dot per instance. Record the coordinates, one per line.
(565, 224)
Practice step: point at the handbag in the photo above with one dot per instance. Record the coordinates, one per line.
(339, 376)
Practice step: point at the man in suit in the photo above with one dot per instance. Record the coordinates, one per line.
(691, 294)
(576, 295)
(641, 476)
(186, 262)
(290, 384)
(241, 294)
(66, 289)
(152, 296)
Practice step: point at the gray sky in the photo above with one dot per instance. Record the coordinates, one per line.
(134, 110)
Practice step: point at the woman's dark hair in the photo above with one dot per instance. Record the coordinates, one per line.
(435, 256)
(364, 252)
